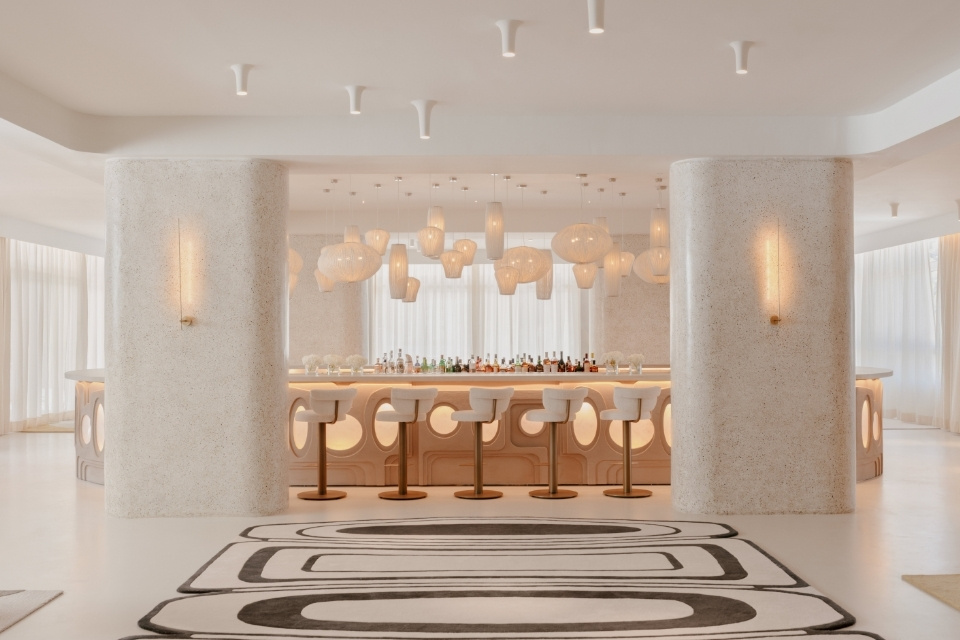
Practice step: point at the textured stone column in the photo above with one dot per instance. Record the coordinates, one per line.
(763, 414)
(196, 412)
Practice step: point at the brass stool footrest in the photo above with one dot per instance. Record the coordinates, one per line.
(559, 495)
(486, 494)
(330, 494)
(633, 493)
(409, 495)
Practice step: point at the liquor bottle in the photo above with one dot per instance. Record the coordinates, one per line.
(401, 363)
(539, 365)
(457, 368)
(496, 364)
(472, 365)
(503, 365)
(378, 368)
(570, 368)
(416, 365)
(442, 365)
(433, 365)
(593, 363)
(487, 367)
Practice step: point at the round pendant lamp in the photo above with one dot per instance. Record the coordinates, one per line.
(580, 243)
(468, 248)
(378, 239)
(585, 273)
(643, 268)
(529, 262)
(452, 263)
(507, 279)
(431, 241)
(349, 262)
(545, 282)
(611, 271)
(413, 288)
(494, 231)
(325, 283)
(398, 271)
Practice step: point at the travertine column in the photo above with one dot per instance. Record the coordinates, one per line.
(196, 412)
(762, 413)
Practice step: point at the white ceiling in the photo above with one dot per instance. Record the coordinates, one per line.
(153, 78)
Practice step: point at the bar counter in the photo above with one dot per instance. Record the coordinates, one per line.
(362, 450)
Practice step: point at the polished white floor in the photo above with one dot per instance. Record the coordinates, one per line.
(54, 535)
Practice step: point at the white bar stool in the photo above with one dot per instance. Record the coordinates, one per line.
(326, 406)
(486, 406)
(559, 407)
(411, 405)
(632, 404)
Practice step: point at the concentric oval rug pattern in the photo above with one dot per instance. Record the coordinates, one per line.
(503, 578)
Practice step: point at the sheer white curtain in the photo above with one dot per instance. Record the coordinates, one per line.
(948, 401)
(468, 316)
(52, 318)
(897, 326)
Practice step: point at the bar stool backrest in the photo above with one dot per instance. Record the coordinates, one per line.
(332, 404)
(564, 401)
(490, 402)
(638, 400)
(413, 399)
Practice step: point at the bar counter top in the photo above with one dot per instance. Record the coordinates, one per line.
(652, 374)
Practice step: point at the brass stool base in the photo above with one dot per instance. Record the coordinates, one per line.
(633, 493)
(560, 494)
(470, 494)
(329, 495)
(409, 495)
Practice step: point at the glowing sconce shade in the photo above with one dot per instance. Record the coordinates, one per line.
(398, 271)
(494, 231)
(585, 273)
(611, 271)
(626, 263)
(412, 289)
(326, 284)
(530, 263)
(294, 266)
(771, 260)
(452, 263)
(378, 239)
(580, 243)
(186, 274)
(507, 279)
(468, 248)
(545, 282)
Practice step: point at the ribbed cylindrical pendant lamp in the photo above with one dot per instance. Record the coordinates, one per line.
(398, 271)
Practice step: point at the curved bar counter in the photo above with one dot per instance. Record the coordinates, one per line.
(362, 450)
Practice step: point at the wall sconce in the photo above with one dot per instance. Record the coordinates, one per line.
(184, 264)
(772, 276)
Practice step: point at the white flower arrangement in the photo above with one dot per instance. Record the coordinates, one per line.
(612, 357)
(310, 362)
(356, 361)
(332, 360)
(636, 359)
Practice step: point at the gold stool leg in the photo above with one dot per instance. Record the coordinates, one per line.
(401, 493)
(552, 491)
(321, 493)
(478, 492)
(627, 491)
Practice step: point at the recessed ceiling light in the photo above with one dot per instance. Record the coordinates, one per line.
(595, 15)
(508, 37)
(740, 50)
(241, 71)
(354, 92)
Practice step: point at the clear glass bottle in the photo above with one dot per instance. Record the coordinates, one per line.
(539, 365)
(416, 365)
(400, 362)
(378, 367)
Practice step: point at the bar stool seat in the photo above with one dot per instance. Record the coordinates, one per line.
(327, 406)
(411, 405)
(486, 405)
(632, 404)
(559, 407)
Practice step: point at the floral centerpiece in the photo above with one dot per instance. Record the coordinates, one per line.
(612, 360)
(311, 363)
(636, 362)
(333, 362)
(356, 362)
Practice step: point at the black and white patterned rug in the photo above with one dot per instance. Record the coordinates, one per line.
(503, 578)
